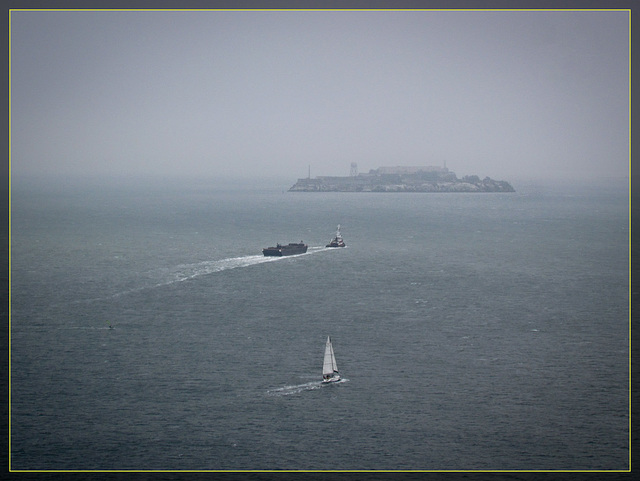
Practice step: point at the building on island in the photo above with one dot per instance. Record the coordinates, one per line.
(400, 179)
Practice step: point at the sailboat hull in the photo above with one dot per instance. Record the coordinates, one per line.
(331, 379)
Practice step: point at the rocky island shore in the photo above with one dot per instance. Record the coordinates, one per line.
(402, 179)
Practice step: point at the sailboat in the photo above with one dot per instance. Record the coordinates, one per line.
(329, 367)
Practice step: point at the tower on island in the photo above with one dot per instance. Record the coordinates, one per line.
(354, 169)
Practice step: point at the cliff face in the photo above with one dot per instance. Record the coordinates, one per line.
(414, 182)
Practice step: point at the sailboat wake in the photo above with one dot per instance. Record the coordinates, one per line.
(288, 390)
(298, 388)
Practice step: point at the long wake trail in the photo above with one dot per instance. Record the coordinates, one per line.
(190, 271)
(185, 272)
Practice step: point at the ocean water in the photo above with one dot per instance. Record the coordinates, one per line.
(472, 331)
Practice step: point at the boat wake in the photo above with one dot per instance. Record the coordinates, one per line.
(298, 388)
(189, 271)
(288, 390)
(184, 272)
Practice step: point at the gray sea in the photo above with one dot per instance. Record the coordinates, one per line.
(472, 331)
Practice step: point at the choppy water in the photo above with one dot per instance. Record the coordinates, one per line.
(472, 331)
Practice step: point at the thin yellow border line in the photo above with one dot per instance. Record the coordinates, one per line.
(628, 10)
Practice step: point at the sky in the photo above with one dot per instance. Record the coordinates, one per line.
(504, 94)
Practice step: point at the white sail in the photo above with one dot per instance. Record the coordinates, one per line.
(334, 365)
(329, 365)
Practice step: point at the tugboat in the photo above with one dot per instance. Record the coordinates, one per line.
(337, 240)
(288, 250)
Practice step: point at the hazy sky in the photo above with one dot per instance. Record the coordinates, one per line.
(207, 93)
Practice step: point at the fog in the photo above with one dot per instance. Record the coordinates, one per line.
(261, 94)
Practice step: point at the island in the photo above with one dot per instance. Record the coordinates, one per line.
(401, 179)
